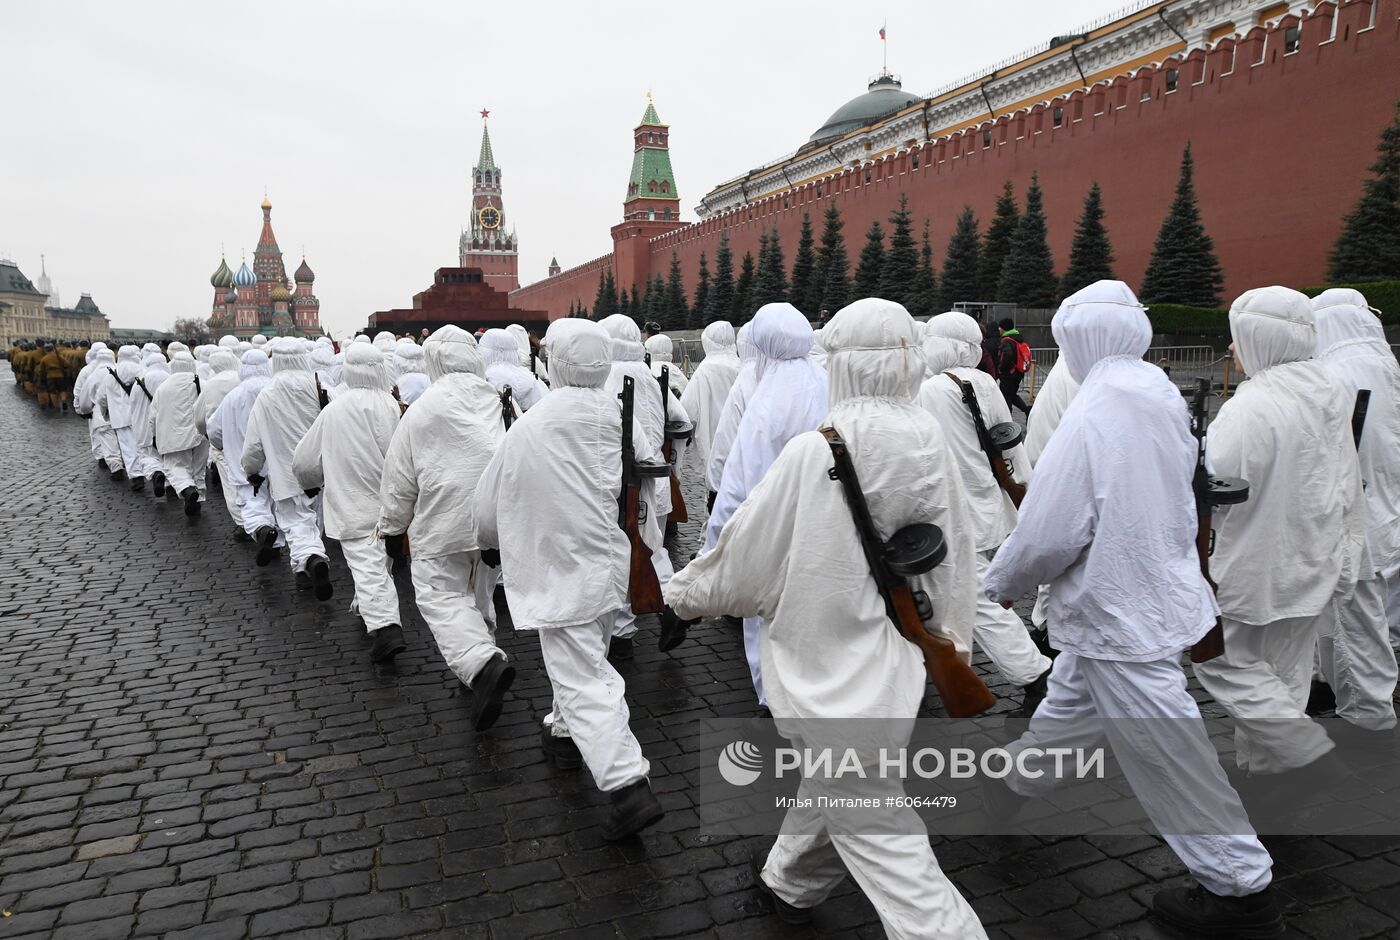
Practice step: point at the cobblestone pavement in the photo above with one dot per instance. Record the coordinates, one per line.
(192, 748)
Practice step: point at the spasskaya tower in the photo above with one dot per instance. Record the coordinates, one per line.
(486, 242)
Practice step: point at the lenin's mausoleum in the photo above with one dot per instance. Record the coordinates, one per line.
(1281, 103)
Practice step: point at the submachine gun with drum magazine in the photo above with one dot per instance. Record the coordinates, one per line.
(994, 441)
(913, 550)
(1210, 492)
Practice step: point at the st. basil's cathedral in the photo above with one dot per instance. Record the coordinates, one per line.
(261, 299)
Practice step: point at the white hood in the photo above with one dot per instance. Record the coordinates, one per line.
(1271, 326)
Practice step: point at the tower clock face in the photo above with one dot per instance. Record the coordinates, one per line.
(489, 216)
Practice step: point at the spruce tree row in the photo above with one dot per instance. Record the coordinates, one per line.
(1011, 263)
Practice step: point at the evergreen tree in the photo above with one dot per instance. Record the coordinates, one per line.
(675, 296)
(806, 290)
(702, 295)
(1368, 249)
(1028, 274)
(771, 286)
(624, 306)
(997, 244)
(1183, 268)
(833, 268)
(720, 302)
(1091, 255)
(744, 292)
(636, 302)
(899, 271)
(923, 299)
(605, 304)
(872, 262)
(960, 264)
(651, 301)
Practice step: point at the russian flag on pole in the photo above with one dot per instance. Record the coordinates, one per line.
(882, 31)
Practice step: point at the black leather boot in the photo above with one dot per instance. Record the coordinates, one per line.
(266, 537)
(388, 643)
(1200, 913)
(634, 807)
(562, 752)
(158, 483)
(489, 687)
(320, 571)
(191, 498)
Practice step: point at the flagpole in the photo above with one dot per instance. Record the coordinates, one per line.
(885, 48)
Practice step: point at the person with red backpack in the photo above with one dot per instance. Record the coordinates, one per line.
(1013, 362)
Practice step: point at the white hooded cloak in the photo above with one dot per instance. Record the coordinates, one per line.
(1352, 348)
(281, 416)
(1109, 521)
(1301, 536)
(708, 389)
(172, 414)
(501, 355)
(952, 343)
(440, 449)
(827, 633)
(548, 498)
(790, 399)
(343, 450)
(734, 404)
(228, 425)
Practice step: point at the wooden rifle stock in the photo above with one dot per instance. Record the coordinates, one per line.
(962, 690)
(1001, 472)
(643, 586)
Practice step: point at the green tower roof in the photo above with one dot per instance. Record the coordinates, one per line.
(651, 163)
(486, 161)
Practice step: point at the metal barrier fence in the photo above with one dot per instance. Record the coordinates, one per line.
(1185, 364)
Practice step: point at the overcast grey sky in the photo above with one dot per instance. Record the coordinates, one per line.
(139, 135)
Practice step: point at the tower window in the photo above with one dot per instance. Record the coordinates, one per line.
(651, 187)
(665, 186)
(666, 214)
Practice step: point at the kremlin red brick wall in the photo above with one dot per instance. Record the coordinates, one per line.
(1281, 141)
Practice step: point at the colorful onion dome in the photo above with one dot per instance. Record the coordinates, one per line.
(222, 276)
(304, 272)
(231, 297)
(245, 277)
(280, 293)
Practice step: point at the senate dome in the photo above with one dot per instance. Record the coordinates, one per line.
(884, 98)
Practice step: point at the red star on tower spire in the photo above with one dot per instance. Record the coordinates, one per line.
(485, 114)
